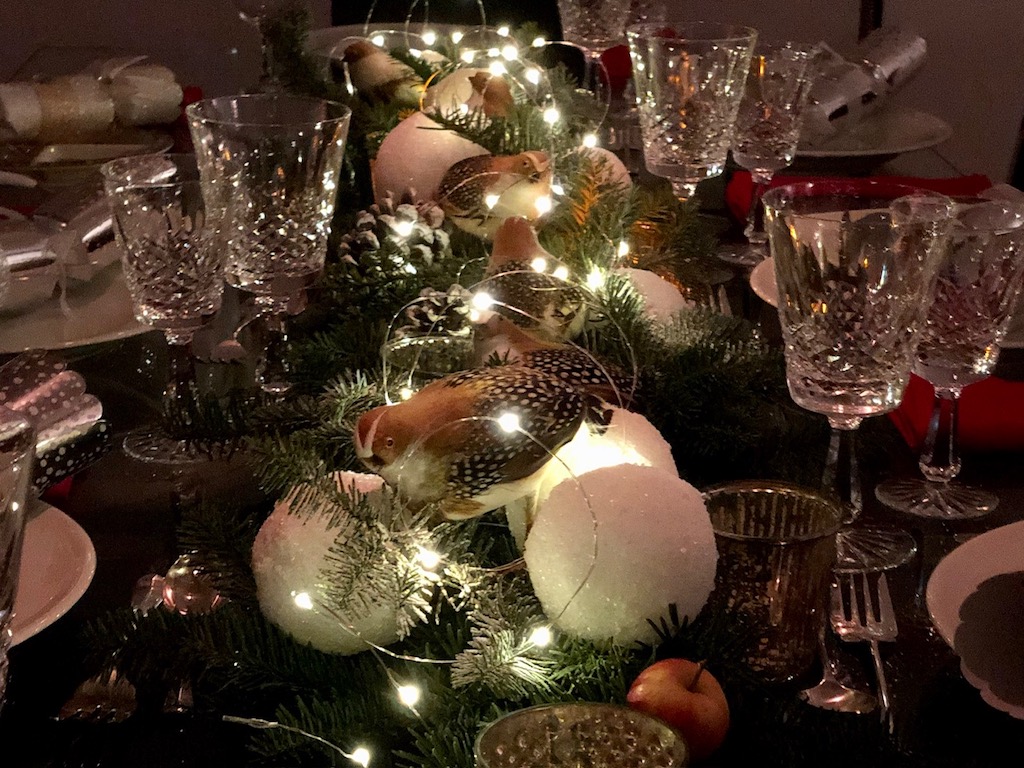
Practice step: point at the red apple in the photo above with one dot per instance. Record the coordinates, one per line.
(686, 696)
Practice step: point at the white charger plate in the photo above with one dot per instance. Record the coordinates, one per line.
(891, 131)
(58, 561)
(958, 575)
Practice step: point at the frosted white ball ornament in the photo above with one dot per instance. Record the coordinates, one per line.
(613, 549)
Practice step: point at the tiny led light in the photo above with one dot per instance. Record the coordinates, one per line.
(430, 37)
(361, 756)
(595, 279)
(539, 42)
(409, 268)
(409, 695)
(378, 40)
(510, 53)
(623, 248)
(415, 52)
(562, 272)
(551, 115)
(405, 393)
(463, 109)
(590, 141)
(539, 264)
(428, 558)
(456, 36)
(468, 56)
(493, 53)
(509, 422)
(303, 600)
(541, 637)
(403, 227)
(503, 30)
(543, 204)
(497, 69)
(558, 189)
(491, 200)
(533, 75)
(482, 301)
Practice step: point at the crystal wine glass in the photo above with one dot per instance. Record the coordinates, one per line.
(975, 293)
(270, 167)
(256, 12)
(594, 26)
(689, 85)
(855, 263)
(172, 267)
(767, 129)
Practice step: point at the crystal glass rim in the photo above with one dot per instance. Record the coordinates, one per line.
(782, 488)
(966, 202)
(196, 111)
(714, 32)
(802, 50)
(114, 171)
(778, 197)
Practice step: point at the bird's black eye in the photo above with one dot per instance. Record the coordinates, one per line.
(390, 442)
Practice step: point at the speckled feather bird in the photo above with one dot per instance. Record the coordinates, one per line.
(444, 444)
(491, 94)
(379, 77)
(551, 306)
(501, 341)
(516, 181)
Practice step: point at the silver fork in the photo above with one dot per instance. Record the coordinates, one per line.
(866, 614)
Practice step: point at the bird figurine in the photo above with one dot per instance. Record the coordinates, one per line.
(472, 441)
(480, 192)
(379, 77)
(530, 286)
(500, 341)
(491, 95)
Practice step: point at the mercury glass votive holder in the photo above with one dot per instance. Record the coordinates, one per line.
(566, 735)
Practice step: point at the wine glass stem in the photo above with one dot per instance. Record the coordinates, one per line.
(180, 389)
(683, 190)
(940, 456)
(842, 474)
(754, 230)
(273, 370)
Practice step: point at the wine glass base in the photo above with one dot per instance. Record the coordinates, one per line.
(747, 255)
(872, 549)
(944, 501)
(156, 447)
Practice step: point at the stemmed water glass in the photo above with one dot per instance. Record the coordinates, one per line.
(270, 166)
(767, 129)
(256, 12)
(173, 270)
(977, 287)
(594, 26)
(855, 264)
(689, 83)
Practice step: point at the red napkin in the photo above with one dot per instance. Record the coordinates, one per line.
(740, 187)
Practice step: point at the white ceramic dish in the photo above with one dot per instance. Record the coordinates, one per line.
(58, 561)
(958, 575)
(762, 282)
(889, 132)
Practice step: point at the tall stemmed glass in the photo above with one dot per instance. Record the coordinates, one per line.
(975, 293)
(855, 264)
(256, 13)
(173, 269)
(767, 129)
(594, 26)
(270, 166)
(689, 84)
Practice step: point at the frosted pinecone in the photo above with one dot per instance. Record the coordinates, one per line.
(396, 238)
(438, 313)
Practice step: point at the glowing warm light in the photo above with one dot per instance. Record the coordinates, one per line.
(562, 272)
(491, 200)
(590, 141)
(543, 204)
(482, 301)
(595, 280)
(503, 30)
(405, 393)
(539, 42)
(558, 189)
(403, 227)
(539, 264)
(410, 268)
(303, 600)
(428, 558)
(509, 422)
(497, 69)
(541, 637)
(493, 53)
(510, 53)
(378, 40)
(463, 109)
(409, 695)
(551, 115)
(431, 37)
(415, 52)
(623, 248)
(533, 75)
(456, 36)
(360, 756)
(468, 56)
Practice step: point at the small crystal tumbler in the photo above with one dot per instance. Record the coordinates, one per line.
(598, 735)
(17, 453)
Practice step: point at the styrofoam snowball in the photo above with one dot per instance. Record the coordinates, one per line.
(613, 169)
(662, 300)
(289, 557)
(415, 156)
(617, 548)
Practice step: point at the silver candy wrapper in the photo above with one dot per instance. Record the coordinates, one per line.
(849, 89)
(69, 421)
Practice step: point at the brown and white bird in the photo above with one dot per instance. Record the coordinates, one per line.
(530, 286)
(492, 95)
(502, 341)
(379, 77)
(472, 441)
(480, 192)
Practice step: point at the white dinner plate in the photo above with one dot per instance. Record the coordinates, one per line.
(891, 131)
(959, 574)
(58, 561)
(762, 281)
(94, 311)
